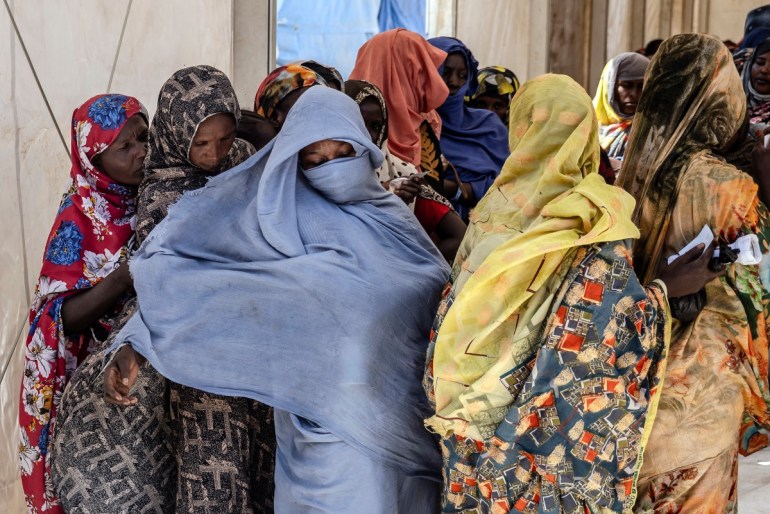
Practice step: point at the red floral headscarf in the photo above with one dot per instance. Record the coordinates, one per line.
(90, 234)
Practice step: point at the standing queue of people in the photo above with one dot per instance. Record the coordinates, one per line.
(426, 288)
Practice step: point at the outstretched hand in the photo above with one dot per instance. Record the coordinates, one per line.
(690, 272)
(120, 377)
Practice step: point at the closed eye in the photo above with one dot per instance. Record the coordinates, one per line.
(312, 163)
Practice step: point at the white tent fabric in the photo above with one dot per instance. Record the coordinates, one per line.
(76, 50)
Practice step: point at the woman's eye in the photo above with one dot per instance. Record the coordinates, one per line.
(312, 164)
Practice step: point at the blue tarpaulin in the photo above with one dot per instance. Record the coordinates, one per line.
(408, 14)
(331, 31)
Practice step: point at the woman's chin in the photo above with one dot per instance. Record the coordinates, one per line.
(762, 87)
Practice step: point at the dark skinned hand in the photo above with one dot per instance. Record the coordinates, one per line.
(120, 377)
(466, 191)
(689, 273)
(408, 189)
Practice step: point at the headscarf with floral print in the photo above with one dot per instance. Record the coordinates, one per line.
(329, 74)
(90, 235)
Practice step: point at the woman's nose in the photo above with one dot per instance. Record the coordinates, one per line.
(142, 151)
(222, 151)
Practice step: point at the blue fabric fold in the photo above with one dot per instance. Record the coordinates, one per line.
(311, 291)
(475, 141)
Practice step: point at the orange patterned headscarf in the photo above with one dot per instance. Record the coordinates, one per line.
(281, 82)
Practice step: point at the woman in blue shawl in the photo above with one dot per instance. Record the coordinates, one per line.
(474, 141)
(312, 292)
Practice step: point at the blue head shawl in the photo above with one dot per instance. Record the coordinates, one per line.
(474, 140)
(311, 291)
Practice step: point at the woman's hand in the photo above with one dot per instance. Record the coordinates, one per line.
(407, 189)
(689, 273)
(120, 376)
(467, 196)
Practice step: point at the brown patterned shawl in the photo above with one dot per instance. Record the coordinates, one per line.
(692, 105)
(188, 98)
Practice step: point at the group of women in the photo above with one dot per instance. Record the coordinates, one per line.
(411, 291)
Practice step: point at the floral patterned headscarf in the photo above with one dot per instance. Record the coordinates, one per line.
(97, 213)
(329, 74)
(280, 83)
(90, 235)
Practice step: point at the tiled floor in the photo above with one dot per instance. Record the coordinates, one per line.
(754, 483)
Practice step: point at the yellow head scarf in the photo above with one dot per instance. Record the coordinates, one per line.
(626, 66)
(547, 201)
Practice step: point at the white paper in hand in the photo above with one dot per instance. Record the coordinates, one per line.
(749, 252)
(706, 236)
